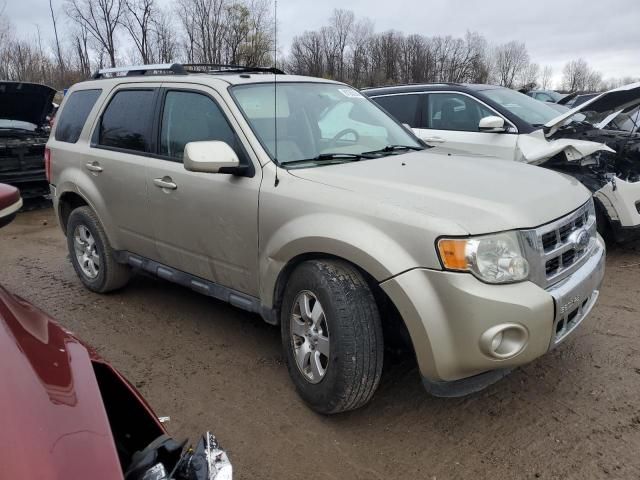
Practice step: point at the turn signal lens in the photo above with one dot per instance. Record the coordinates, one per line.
(452, 253)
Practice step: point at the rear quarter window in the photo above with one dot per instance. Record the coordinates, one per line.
(74, 114)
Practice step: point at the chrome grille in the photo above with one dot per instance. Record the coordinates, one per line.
(559, 248)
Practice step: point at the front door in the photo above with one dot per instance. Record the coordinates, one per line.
(205, 224)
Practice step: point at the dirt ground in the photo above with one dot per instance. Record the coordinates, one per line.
(573, 414)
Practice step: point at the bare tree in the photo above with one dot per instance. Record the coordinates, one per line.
(547, 76)
(341, 25)
(529, 76)
(138, 19)
(259, 45)
(510, 59)
(101, 19)
(164, 43)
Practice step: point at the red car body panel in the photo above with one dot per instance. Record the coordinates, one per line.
(8, 196)
(53, 420)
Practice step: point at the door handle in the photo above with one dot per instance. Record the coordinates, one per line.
(434, 139)
(94, 167)
(165, 182)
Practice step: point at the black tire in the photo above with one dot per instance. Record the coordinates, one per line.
(355, 335)
(111, 274)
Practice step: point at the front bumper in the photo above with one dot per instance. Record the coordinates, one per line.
(448, 315)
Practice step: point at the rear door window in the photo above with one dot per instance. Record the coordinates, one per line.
(74, 115)
(403, 107)
(127, 121)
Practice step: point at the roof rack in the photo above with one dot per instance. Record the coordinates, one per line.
(181, 69)
(228, 68)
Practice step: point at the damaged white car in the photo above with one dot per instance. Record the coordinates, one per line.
(597, 143)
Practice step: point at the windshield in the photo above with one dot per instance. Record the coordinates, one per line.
(529, 110)
(315, 120)
(626, 121)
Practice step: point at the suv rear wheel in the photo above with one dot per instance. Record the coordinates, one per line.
(91, 254)
(332, 336)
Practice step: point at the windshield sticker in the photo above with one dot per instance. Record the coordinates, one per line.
(347, 92)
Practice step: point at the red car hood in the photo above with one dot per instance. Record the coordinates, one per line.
(53, 421)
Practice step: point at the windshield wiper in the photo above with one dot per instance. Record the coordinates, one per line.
(393, 148)
(349, 157)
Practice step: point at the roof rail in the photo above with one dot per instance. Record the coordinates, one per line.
(228, 68)
(139, 70)
(182, 69)
(390, 85)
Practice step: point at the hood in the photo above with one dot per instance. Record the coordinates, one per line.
(25, 102)
(480, 194)
(607, 103)
(54, 424)
(535, 149)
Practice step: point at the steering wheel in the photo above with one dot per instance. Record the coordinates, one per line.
(343, 133)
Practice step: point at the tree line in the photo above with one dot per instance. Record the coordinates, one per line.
(93, 34)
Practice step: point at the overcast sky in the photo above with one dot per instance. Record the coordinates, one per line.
(606, 33)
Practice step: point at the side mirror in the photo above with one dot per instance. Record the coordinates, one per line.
(210, 157)
(492, 124)
(10, 203)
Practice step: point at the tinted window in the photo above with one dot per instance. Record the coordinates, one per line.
(452, 111)
(403, 107)
(74, 114)
(126, 122)
(191, 117)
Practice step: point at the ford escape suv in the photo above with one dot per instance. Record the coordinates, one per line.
(301, 200)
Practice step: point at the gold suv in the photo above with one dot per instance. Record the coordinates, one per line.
(301, 200)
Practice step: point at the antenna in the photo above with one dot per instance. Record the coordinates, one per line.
(275, 87)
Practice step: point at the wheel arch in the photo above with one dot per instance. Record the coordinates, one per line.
(396, 334)
(67, 203)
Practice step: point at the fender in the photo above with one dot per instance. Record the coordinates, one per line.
(358, 242)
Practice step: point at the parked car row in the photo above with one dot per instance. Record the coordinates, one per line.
(303, 201)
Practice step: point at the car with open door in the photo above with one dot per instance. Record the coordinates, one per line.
(66, 413)
(500, 122)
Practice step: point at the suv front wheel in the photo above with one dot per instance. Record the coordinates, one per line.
(91, 254)
(332, 336)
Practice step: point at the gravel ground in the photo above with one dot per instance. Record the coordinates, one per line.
(573, 414)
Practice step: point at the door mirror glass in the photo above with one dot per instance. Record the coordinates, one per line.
(210, 157)
(492, 124)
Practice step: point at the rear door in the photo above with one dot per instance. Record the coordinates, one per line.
(451, 119)
(205, 224)
(117, 162)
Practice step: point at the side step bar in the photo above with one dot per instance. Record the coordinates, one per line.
(200, 285)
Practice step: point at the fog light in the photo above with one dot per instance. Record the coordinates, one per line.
(504, 341)
(497, 341)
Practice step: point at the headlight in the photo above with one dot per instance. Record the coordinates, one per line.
(491, 258)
